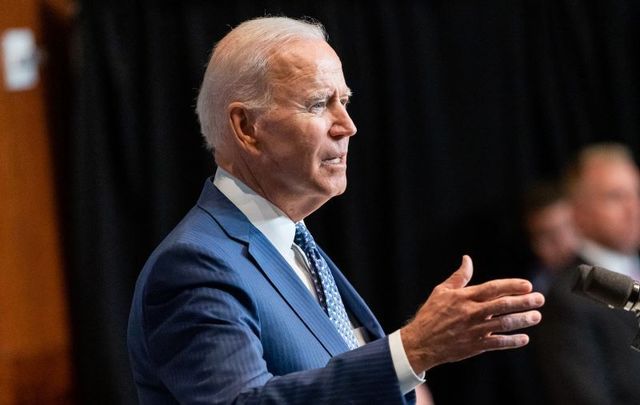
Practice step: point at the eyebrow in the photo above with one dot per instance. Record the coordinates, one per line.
(326, 93)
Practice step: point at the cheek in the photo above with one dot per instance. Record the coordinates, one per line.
(281, 144)
(294, 143)
(294, 160)
(309, 145)
(617, 213)
(606, 212)
(542, 246)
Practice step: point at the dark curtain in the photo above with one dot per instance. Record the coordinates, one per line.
(459, 105)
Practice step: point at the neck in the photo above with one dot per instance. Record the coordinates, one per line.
(296, 206)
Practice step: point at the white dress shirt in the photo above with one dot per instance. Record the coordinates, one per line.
(598, 255)
(280, 230)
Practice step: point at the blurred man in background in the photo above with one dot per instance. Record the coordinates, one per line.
(551, 231)
(583, 347)
(604, 187)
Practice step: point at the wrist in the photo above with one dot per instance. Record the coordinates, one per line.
(416, 355)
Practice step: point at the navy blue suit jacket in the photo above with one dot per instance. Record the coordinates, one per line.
(583, 348)
(218, 317)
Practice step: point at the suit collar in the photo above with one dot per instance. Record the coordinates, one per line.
(268, 218)
(234, 223)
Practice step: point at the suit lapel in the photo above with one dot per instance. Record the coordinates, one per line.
(275, 268)
(296, 294)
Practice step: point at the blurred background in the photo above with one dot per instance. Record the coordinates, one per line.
(460, 107)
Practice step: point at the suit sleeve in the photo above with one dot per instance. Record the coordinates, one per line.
(202, 335)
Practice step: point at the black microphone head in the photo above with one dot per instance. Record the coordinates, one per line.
(605, 286)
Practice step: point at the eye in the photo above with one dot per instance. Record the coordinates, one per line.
(344, 101)
(318, 106)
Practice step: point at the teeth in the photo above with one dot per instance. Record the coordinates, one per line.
(333, 161)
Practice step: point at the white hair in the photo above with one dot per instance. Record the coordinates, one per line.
(238, 68)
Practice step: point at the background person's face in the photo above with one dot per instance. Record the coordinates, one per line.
(304, 137)
(553, 235)
(607, 205)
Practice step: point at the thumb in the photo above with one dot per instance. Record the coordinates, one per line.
(461, 277)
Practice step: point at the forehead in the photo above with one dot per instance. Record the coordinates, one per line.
(610, 173)
(307, 66)
(556, 212)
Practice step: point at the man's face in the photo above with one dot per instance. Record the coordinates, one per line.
(303, 138)
(607, 204)
(553, 235)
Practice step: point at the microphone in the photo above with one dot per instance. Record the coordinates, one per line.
(610, 288)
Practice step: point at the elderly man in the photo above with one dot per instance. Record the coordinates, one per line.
(239, 304)
(583, 347)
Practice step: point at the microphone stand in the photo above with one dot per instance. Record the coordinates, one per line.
(636, 342)
(634, 305)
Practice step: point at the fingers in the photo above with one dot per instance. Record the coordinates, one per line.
(510, 304)
(489, 332)
(508, 323)
(457, 322)
(461, 277)
(499, 288)
(503, 342)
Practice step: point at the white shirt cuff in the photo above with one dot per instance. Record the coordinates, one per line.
(407, 378)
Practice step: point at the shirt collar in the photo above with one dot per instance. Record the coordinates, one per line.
(599, 255)
(274, 224)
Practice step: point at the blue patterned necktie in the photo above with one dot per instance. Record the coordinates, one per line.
(325, 285)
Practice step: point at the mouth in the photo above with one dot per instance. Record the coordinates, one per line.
(339, 159)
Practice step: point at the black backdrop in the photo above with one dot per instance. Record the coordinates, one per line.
(459, 105)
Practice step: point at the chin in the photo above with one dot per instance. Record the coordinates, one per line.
(328, 186)
(333, 190)
(340, 187)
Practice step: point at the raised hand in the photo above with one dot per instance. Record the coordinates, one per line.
(457, 322)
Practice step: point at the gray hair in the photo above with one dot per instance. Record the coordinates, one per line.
(238, 69)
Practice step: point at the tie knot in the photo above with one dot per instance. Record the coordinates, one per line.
(303, 238)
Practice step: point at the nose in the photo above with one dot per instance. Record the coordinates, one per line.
(343, 124)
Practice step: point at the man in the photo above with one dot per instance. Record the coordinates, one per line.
(238, 304)
(583, 346)
(547, 220)
(551, 230)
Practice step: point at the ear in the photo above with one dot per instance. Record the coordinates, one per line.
(242, 125)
